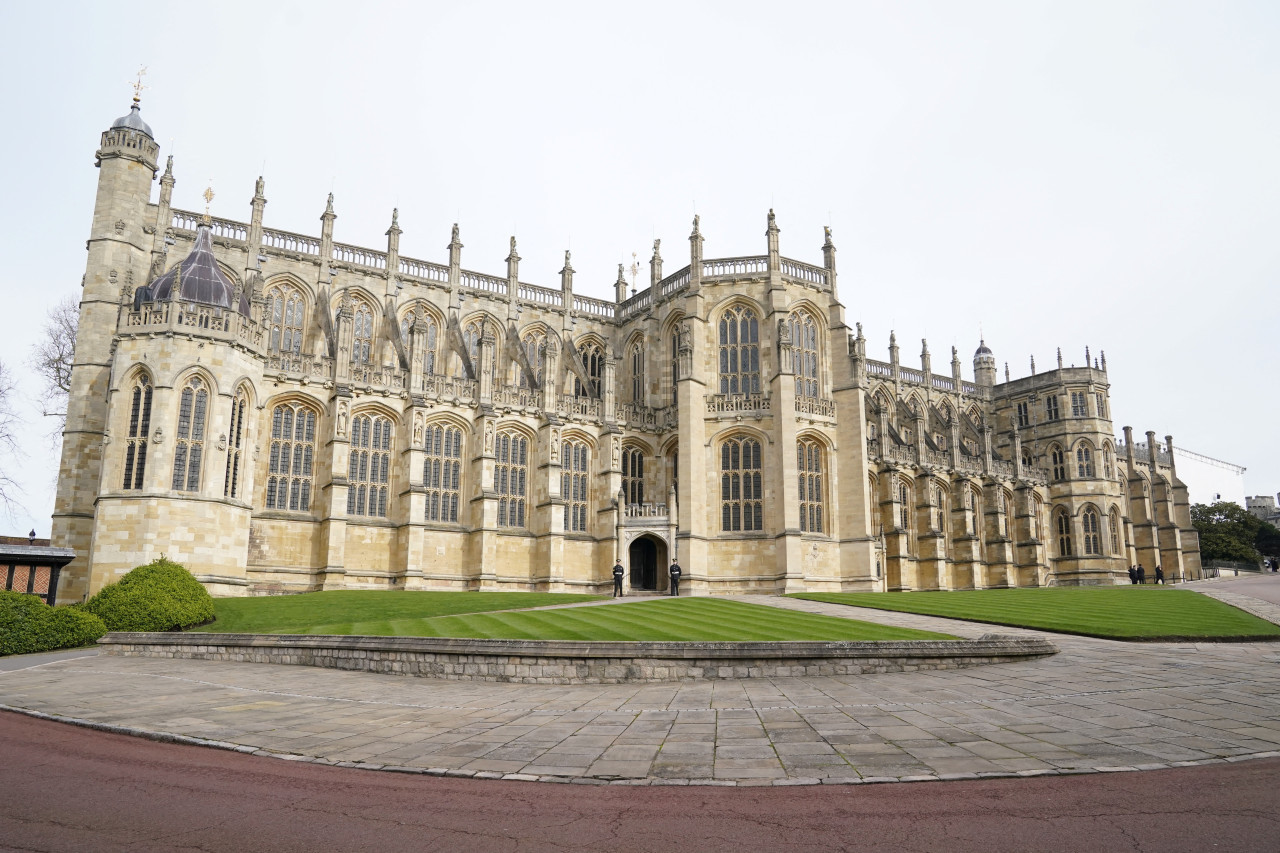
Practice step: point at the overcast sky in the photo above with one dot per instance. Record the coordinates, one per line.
(1045, 174)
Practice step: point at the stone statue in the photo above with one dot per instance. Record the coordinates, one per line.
(555, 445)
(488, 436)
(342, 419)
(417, 429)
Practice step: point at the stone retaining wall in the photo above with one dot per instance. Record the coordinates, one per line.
(567, 662)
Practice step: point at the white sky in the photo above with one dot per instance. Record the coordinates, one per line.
(1055, 174)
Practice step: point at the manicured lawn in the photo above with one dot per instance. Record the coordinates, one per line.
(473, 614)
(347, 611)
(1121, 612)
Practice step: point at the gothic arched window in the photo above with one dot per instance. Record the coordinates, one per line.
(809, 464)
(633, 475)
(675, 364)
(940, 501)
(1106, 460)
(135, 454)
(362, 335)
(804, 353)
(1062, 522)
(637, 374)
(904, 511)
(511, 477)
(431, 333)
(1084, 460)
(293, 449)
(593, 366)
(1059, 462)
(574, 460)
(533, 344)
(471, 335)
(741, 485)
(189, 452)
(442, 472)
(1092, 538)
(1114, 530)
(284, 307)
(235, 445)
(369, 472)
(739, 351)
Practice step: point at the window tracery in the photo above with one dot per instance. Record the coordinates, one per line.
(362, 335)
(239, 408)
(511, 476)
(809, 463)
(804, 353)
(573, 485)
(633, 474)
(442, 472)
(135, 454)
(285, 308)
(369, 471)
(739, 351)
(741, 485)
(189, 452)
(290, 465)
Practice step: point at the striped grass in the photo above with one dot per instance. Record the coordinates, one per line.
(341, 610)
(464, 615)
(1120, 612)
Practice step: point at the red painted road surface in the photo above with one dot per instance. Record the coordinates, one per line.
(69, 789)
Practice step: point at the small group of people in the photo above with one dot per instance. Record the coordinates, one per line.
(1138, 574)
(619, 572)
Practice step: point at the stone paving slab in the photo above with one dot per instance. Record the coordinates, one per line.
(1098, 706)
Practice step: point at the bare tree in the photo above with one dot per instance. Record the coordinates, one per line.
(51, 358)
(9, 487)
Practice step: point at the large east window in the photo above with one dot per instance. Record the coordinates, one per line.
(593, 367)
(189, 452)
(741, 486)
(369, 469)
(292, 459)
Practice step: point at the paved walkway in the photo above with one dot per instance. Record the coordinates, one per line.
(1097, 706)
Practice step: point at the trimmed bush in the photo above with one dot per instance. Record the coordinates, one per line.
(160, 596)
(29, 625)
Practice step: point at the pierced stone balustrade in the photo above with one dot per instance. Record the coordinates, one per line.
(450, 387)
(570, 405)
(746, 404)
(816, 406)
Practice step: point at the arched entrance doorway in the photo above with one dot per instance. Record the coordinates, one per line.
(647, 558)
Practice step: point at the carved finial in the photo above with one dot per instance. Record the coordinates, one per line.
(1103, 353)
(208, 200)
(395, 217)
(893, 338)
(656, 244)
(924, 346)
(138, 85)
(859, 325)
(168, 167)
(1006, 371)
(1033, 365)
(773, 222)
(621, 278)
(328, 208)
(1059, 358)
(1086, 356)
(696, 232)
(454, 236)
(955, 354)
(259, 186)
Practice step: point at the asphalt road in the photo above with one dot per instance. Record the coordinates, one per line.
(1265, 586)
(69, 789)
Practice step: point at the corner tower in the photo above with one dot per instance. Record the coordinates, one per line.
(119, 250)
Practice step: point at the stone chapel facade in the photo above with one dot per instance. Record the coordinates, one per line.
(285, 413)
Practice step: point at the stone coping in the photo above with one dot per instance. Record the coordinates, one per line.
(579, 662)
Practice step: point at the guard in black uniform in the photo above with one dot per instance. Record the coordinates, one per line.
(618, 572)
(674, 574)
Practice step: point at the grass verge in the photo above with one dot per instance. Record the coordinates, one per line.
(1118, 613)
(467, 615)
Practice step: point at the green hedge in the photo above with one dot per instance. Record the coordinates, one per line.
(160, 596)
(29, 625)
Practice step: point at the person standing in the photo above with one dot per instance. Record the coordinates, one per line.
(1159, 575)
(1142, 575)
(618, 572)
(674, 573)
(1133, 574)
